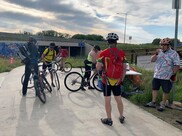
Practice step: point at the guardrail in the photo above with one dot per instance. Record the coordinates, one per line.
(132, 54)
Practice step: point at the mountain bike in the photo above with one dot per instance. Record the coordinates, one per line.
(39, 84)
(53, 70)
(55, 75)
(74, 81)
(31, 80)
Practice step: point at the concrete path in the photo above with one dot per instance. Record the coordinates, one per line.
(69, 114)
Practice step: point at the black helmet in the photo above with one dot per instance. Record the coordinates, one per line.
(52, 45)
(31, 39)
(97, 47)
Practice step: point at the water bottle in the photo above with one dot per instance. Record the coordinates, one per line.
(100, 85)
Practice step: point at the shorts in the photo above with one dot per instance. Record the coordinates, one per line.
(165, 84)
(116, 90)
(49, 66)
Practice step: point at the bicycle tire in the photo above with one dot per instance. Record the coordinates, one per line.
(73, 81)
(56, 66)
(56, 79)
(39, 91)
(47, 86)
(67, 67)
(95, 83)
(30, 81)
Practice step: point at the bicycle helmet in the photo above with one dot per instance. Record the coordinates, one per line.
(165, 41)
(31, 39)
(52, 45)
(112, 36)
(97, 47)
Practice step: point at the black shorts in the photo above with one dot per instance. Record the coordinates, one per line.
(115, 89)
(49, 66)
(165, 84)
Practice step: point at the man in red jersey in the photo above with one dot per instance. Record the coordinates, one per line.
(111, 62)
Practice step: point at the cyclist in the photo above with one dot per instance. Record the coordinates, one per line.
(61, 56)
(167, 64)
(90, 63)
(31, 60)
(48, 56)
(112, 76)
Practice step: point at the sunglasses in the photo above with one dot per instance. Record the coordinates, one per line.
(164, 44)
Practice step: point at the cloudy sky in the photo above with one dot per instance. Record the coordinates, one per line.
(146, 19)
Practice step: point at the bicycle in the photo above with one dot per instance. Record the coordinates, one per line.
(54, 73)
(67, 67)
(39, 84)
(74, 81)
(31, 81)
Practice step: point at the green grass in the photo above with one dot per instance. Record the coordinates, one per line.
(147, 77)
(5, 65)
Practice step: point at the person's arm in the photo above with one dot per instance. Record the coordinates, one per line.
(54, 57)
(154, 57)
(94, 57)
(99, 64)
(175, 69)
(43, 56)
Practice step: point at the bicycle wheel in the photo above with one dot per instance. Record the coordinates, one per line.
(46, 84)
(73, 81)
(39, 90)
(57, 67)
(67, 67)
(97, 83)
(56, 79)
(30, 81)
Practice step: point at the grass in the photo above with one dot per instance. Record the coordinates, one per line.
(169, 115)
(6, 66)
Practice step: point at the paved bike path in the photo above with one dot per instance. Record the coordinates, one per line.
(70, 114)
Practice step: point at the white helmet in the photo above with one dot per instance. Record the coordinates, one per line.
(112, 36)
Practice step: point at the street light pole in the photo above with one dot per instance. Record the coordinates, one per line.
(125, 27)
(125, 23)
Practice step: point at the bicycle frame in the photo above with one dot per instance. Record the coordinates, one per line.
(85, 83)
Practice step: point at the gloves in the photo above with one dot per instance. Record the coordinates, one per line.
(173, 78)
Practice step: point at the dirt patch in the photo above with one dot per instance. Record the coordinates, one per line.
(169, 115)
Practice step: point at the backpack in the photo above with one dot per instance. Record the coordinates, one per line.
(24, 54)
(52, 54)
(115, 68)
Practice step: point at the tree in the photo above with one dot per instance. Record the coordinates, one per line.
(156, 41)
(92, 37)
(172, 44)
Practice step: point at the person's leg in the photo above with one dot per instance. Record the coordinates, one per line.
(26, 79)
(117, 95)
(108, 106)
(155, 88)
(154, 95)
(36, 70)
(166, 87)
(165, 97)
(119, 105)
(107, 99)
(87, 75)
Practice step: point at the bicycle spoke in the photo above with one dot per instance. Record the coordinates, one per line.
(73, 81)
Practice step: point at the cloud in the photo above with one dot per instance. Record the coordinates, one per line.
(90, 17)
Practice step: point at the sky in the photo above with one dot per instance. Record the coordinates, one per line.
(145, 19)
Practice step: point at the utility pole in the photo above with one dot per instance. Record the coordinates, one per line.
(125, 23)
(176, 4)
